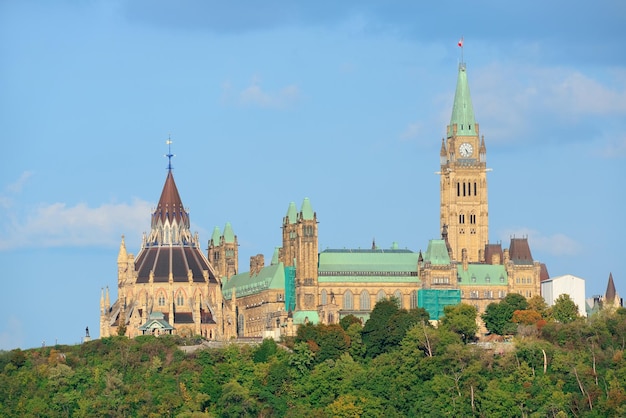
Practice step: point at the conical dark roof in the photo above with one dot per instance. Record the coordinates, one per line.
(170, 205)
(610, 289)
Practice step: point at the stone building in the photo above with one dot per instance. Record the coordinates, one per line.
(209, 296)
(170, 275)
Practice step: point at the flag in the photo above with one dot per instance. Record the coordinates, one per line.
(461, 42)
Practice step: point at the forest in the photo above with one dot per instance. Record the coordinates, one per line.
(534, 361)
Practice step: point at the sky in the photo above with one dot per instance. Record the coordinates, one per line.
(267, 103)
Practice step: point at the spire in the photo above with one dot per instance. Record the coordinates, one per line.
(275, 259)
(229, 235)
(122, 256)
(462, 109)
(307, 211)
(215, 238)
(170, 222)
(170, 206)
(292, 213)
(609, 296)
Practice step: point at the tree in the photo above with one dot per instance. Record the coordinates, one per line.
(498, 316)
(564, 309)
(348, 320)
(460, 319)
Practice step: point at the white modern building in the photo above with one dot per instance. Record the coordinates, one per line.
(573, 286)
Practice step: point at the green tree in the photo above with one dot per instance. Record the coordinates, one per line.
(460, 319)
(498, 316)
(564, 309)
(348, 320)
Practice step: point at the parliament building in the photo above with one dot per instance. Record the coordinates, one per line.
(171, 286)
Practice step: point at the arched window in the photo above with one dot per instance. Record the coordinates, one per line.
(324, 297)
(240, 322)
(381, 295)
(364, 302)
(161, 299)
(413, 299)
(180, 299)
(398, 296)
(348, 302)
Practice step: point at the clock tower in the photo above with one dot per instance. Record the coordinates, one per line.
(464, 178)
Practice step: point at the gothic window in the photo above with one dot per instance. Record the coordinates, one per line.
(398, 297)
(240, 323)
(413, 300)
(464, 188)
(381, 295)
(180, 299)
(161, 300)
(324, 297)
(472, 219)
(364, 301)
(458, 189)
(462, 218)
(348, 303)
(474, 188)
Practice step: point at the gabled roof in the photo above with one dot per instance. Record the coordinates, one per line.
(519, 251)
(437, 252)
(156, 321)
(462, 109)
(270, 277)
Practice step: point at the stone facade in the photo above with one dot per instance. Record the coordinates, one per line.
(208, 296)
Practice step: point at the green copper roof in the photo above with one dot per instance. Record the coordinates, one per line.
(229, 235)
(275, 256)
(216, 236)
(270, 277)
(437, 253)
(368, 266)
(292, 213)
(482, 275)
(307, 211)
(462, 109)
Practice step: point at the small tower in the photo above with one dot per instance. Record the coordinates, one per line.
(223, 253)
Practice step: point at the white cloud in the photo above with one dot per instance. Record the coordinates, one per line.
(18, 185)
(511, 98)
(59, 225)
(255, 95)
(557, 244)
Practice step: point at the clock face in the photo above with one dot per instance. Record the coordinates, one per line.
(466, 149)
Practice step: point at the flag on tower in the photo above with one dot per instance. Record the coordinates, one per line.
(461, 42)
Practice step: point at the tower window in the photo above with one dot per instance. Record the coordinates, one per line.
(462, 218)
(464, 186)
(458, 189)
(474, 188)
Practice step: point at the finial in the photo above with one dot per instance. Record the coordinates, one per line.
(169, 154)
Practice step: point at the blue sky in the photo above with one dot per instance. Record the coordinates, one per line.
(342, 102)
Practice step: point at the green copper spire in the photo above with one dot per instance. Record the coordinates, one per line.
(229, 235)
(292, 213)
(462, 110)
(216, 236)
(307, 211)
(275, 259)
